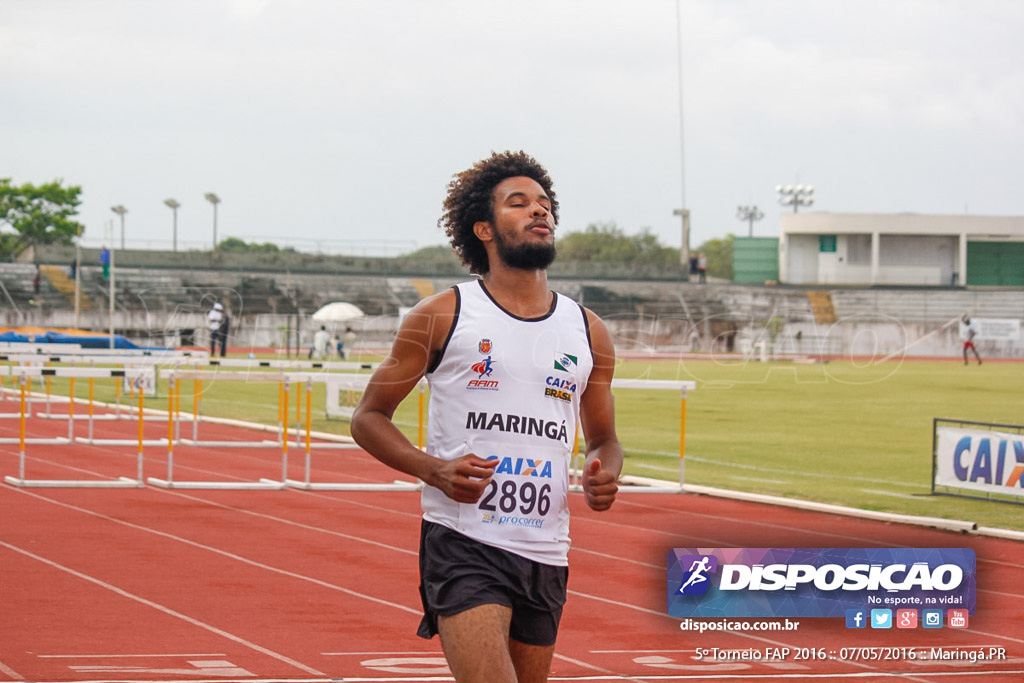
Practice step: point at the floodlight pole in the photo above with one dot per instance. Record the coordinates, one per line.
(795, 195)
(120, 211)
(215, 200)
(112, 291)
(749, 214)
(684, 255)
(684, 252)
(174, 204)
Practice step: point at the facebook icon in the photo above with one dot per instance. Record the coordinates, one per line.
(856, 618)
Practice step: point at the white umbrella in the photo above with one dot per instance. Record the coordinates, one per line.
(338, 312)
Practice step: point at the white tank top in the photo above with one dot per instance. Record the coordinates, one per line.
(509, 388)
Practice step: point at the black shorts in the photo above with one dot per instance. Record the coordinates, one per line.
(458, 573)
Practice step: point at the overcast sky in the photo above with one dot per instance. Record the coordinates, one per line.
(336, 125)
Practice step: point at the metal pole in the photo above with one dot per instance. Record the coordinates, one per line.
(684, 253)
(112, 298)
(78, 281)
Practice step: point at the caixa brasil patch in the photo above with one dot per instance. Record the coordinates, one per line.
(816, 582)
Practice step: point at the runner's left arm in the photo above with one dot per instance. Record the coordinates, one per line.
(597, 415)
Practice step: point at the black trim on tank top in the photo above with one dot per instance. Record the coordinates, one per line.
(586, 326)
(551, 311)
(451, 331)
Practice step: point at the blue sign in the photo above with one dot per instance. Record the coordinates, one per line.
(819, 582)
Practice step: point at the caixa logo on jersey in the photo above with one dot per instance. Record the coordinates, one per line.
(816, 582)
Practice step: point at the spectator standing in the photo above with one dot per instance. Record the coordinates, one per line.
(105, 262)
(320, 341)
(348, 342)
(222, 332)
(970, 332)
(702, 268)
(213, 320)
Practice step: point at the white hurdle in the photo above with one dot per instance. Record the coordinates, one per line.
(284, 381)
(198, 376)
(639, 484)
(25, 372)
(335, 384)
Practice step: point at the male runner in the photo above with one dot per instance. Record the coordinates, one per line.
(970, 332)
(511, 366)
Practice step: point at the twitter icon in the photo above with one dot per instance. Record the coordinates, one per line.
(881, 618)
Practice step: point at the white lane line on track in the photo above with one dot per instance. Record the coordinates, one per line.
(289, 522)
(166, 610)
(792, 474)
(124, 656)
(10, 673)
(605, 674)
(586, 678)
(233, 556)
(416, 611)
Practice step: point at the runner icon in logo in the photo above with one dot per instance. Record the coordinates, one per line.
(697, 580)
(484, 368)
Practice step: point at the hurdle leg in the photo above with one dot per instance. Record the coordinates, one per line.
(170, 431)
(92, 384)
(177, 408)
(309, 425)
(71, 409)
(298, 416)
(117, 397)
(282, 406)
(196, 393)
(682, 438)
(21, 433)
(284, 436)
(142, 395)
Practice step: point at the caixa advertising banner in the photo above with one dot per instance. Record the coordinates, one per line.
(979, 458)
(817, 582)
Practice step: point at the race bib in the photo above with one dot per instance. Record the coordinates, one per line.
(523, 499)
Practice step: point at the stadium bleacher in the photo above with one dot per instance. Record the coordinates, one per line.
(158, 304)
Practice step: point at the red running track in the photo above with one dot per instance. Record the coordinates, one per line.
(150, 584)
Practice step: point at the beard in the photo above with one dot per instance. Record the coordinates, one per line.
(527, 256)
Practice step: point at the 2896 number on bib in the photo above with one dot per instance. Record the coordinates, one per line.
(524, 498)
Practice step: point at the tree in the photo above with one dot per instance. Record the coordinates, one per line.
(606, 242)
(435, 252)
(239, 246)
(719, 255)
(40, 214)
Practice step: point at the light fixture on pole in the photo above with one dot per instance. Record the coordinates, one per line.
(795, 195)
(215, 200)
(684, 253)
(749, 214)
(120, 211)
(174, 204)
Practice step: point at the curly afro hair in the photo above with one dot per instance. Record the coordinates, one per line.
(471, 199)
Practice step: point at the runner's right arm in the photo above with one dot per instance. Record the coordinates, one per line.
(419, 340)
